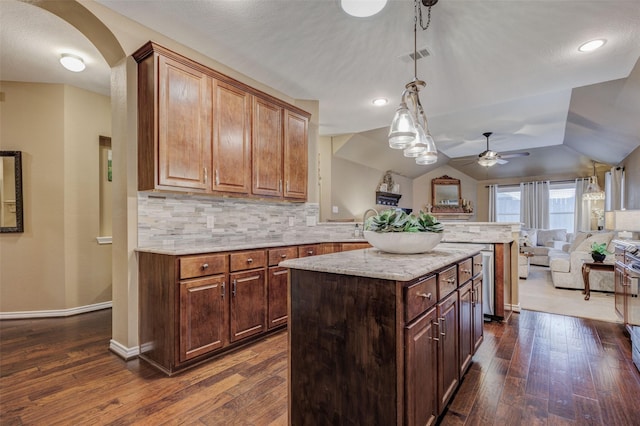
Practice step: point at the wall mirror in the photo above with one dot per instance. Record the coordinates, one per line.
(445, 195)
(11, 219)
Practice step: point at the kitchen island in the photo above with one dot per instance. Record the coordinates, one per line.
(377, 338)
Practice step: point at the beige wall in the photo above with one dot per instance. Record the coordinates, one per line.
(631, 166)
(56, 263)
(422, 188)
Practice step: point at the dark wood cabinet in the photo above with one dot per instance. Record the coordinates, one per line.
(203, 316)
(477, 314)
(277, 291)
(448, 371)
(421, 352)
(201, 131)
(295, 155)
(267, 148)
(310, 250)
(175, 143)
(231, 139)
(248, 294)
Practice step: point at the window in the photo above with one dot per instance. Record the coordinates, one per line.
(508, 204)
(562, 203)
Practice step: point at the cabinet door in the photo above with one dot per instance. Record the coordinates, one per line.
(295, 155)
(231, 139)
(267, 148)
(478, 314)
(184, 126)
(203, 316)
(466, 347)
(248, 304)
(277, 305)
(421, 354)
(448, 371)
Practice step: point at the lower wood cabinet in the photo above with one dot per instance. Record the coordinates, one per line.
(203, 314)
(477, 314)
(248, 304)
(277, 290)
(421, 385)
(467, 348)
(448, 369)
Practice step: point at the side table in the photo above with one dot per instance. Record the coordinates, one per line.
(523, 264)
(596, 266)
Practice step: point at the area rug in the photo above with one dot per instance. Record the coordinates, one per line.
(537, 293)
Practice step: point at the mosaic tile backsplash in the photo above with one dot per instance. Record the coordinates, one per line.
(167, 219)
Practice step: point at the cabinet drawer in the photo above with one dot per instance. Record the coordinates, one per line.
(248, 260)
(477, 264)
(447, 282)
(279, 254)
(200, 266)
(465, 271)
(355, 246)
(308, 250)
(419, 297)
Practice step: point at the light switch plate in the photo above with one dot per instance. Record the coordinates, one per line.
(311, 221)
(334, 209)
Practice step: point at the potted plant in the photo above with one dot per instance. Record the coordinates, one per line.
(395, 231)
(599, 251)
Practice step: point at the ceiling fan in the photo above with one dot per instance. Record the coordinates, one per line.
(488, 158)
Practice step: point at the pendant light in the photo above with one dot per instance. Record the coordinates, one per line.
(593, 191)
(409, 130)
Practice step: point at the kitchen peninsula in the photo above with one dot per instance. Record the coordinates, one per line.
(377, 338)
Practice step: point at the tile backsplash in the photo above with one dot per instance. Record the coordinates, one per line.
(166, 219)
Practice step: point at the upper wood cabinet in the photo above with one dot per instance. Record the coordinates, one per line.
(267, 148)
(201, 131)
(231, 139)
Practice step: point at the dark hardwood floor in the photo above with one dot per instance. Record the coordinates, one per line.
(541, 369)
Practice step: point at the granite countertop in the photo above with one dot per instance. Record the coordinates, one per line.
(373, 263)
(478, 240)
(187, 248)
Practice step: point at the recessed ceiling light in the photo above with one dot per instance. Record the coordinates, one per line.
(380, 101)
(592, 45)
(362, 8)
(72, 62)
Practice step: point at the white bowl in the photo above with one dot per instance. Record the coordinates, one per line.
(403, 242)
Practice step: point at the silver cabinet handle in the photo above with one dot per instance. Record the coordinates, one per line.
(435, 338)
(222, 289)
(206, 175)
(249, 260)
(466, 271)
(283, 256)
(233, 289)
(444, 326)
(451, 280)
(205, 266)
(425, 295)
(310, 252)
(217, 177)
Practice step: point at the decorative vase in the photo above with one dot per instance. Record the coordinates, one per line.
(598, 257)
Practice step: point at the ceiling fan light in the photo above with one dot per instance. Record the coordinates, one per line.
(402, 132)
(487, 161)
(362, 8)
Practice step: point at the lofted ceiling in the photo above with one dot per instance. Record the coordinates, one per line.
(510, 67)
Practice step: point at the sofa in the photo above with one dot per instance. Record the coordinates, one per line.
(566, 264)
(540, 241)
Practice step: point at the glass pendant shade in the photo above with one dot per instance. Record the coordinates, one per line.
(402, 133)
(430, 156)
(420, 147)
(593, 191)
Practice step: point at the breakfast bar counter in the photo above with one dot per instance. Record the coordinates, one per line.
(378, 338)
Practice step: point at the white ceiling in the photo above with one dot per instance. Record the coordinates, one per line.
(511, 67)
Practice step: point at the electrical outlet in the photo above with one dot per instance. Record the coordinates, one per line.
(291, 221)
(334, 209)
(311, 221)
(210, 222)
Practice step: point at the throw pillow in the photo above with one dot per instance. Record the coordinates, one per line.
(601, 237)
(530, 234)
(579, 238)
(548, 235)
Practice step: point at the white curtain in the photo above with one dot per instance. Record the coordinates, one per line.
(493, 201)
(582, 208)
(614, 189)
(534, 204)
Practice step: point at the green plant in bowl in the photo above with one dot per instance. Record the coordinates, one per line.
(398, 221)
(394, 231)
(599, 251)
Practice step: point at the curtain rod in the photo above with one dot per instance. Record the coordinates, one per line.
(551, 181)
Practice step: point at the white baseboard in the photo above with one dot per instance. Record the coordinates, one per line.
(55, 312)
(514, 308)
(123, 351)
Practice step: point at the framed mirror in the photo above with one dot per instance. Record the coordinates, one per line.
(445, 195)
(11, 219)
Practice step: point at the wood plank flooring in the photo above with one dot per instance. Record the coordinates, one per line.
(540, 369)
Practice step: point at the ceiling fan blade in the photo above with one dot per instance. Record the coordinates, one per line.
(501, 161)
(515, 154)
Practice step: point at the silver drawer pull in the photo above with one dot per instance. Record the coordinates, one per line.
(466, 271)
(205, 266)
(310, 252)
(283, 256)
(451, 280)
(425, 295)
(443, 332)
(477, 264)
(249, 260)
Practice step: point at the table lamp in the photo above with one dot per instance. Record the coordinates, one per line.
(624, 221)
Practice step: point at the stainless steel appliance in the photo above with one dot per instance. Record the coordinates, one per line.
(488, 285)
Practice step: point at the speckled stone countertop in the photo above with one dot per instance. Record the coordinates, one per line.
(187, 248)
(374, 263)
